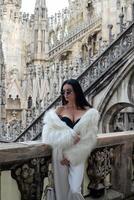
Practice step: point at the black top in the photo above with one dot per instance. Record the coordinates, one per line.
(69, 122)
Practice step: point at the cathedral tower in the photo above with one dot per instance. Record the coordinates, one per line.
(40, 30)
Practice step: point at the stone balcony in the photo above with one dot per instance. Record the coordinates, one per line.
(109, 171)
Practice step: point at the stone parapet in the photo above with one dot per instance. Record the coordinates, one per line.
(109, 168)
(12, 152)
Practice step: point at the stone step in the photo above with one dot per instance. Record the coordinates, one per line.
(109, 195)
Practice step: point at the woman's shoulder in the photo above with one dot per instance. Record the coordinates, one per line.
(91, 110)
(87, 108)
(59, 109)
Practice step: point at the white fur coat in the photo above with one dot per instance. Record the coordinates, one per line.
(59, 135)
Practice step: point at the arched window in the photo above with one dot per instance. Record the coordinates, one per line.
(84, 52)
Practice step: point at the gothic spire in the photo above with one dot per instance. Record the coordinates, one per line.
(40, 8)
(40, 4)
(40, 28)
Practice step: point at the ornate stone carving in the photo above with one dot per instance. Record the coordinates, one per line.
(99, 166)
(123, 121)
(30, 176)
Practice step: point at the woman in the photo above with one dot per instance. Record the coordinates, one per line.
(71, 130)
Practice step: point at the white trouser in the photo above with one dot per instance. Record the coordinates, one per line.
(75, 177)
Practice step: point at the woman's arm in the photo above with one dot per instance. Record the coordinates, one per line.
(55, 132)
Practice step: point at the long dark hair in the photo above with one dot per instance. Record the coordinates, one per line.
(80, 98)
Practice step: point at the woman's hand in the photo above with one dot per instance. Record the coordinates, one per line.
(76, 138)
(65, 161)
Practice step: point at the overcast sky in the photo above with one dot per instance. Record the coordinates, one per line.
(52, 5)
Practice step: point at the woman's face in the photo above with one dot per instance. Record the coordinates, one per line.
(68, 93)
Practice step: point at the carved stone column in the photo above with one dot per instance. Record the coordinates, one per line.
(99, 166)
(110, 26)
(30, 176)
(133, 11)
(122, 169)
(121, 16)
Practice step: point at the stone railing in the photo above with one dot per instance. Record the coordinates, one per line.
(110, 59)
(29, 166)
(112, 163)
(103, 68)
(109, 170)
(73, 36)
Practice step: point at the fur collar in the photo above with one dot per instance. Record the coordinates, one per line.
(52, 118)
